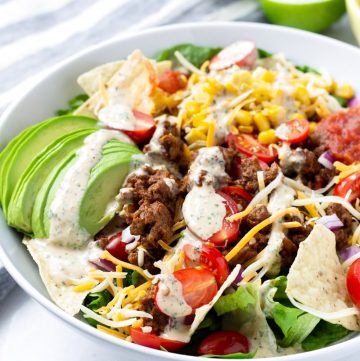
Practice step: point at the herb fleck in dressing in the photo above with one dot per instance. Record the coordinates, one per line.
(117, 116)
(64, 211)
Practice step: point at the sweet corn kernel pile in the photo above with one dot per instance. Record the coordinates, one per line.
(252, 101)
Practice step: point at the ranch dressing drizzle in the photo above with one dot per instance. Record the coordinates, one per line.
(117, 116)
(203, 209)
(169, 297)
(64, 211)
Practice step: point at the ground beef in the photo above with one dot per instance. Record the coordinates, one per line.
(298, 234)
(159, 320)
(303, 163)
(288, 252)
(342, 235)
(257, 215)
(247, 174)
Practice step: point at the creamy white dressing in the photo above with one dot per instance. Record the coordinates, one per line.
(59, 266)
(65, 209)
(169, 297)
(117, 116)
(204, 211)
(172, 185)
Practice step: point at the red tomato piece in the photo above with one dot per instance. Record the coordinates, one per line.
(230, 230)
(224, 343)
(171, 81)
(294, 131)
(237, 191)
(153, 341)
(250, 146)
(353, 282)
(241, 53)
(199, 286)
(208, 257)
(116, 247)
(144, 128)
(352, 182)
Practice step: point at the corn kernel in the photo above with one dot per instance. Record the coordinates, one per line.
(312, 127)
(243, 76)
(262, 123)
(193, 107)
(346, 91)
(138, 323)
(231, 88)
(246, 128)
(199, 119)
(212, 86)
(194, 135)
(302, 95)
(276, 115)
(243, 117)
(194, 78)
(297, 116)
(267, 137)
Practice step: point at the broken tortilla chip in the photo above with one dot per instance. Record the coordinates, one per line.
(317, 280)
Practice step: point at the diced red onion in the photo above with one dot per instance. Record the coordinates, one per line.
(332, 222)
(127, 237)
(348, 252)
(353, 102)
(104, 265)
(326, 159)
(238, 278)
(189, 319)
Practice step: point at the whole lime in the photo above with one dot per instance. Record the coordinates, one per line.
(312, 15)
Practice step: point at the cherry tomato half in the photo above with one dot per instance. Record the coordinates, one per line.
(153, 341)
(241, 53)
(352, 182)
(353, 282)
(208, 257)
(171, 81)
(250, 146)
(144, 128)
(116, 247)
(199, 286)
(236, 191)
(224, 343)
(293, 131)
(230, 230)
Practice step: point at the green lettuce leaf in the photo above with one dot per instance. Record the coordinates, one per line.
(306, 69)
(196, 55)
(295, 325)
(237, 355)
(73, 104)
(94, 301)
(342, 101)
(263, 53)
(133, 278)
(243, 299)
(324, 334)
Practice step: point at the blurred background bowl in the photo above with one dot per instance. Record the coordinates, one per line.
(311, 15)
(353, 8)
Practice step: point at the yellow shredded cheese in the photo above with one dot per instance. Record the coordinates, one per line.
(133, 293)
(248, 236)
(178, 225)
(292, 225)
(164, 246)
(240, 215)
(345, 170)
(309, 207)
(84, 286)
(119, 281)
(210, 139)
(106, 255)
(111, 332)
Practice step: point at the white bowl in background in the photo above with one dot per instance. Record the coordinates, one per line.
(58, 86)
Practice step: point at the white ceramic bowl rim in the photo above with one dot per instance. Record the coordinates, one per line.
(339, 349)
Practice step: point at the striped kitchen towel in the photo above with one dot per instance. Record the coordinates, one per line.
(37, 34)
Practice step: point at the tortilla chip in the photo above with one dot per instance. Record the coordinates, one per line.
(90, 81)
(56, 272)
(316, 278)
(132, 85)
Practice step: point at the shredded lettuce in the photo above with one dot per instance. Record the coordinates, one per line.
(133, 278)
(262, 54)
(324, 334)
(94, 301)
(196, 55)
(306, 69)
(295, 325)
(243, 299)
(73, 104)
(342, 101)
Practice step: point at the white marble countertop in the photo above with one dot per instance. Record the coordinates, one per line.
(28, 331)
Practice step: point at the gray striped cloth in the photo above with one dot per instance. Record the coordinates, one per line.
(37, 34)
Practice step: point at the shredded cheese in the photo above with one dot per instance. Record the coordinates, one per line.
(210, 139)
(119, 281)
(101, 286)
(187, 65)
(164, 246)
(346, 264)
(345, 170)
(249, 235)
(84, 287)
(290, 225)
(178, 225)
(111, 332)
(106, 255)
(309, 207)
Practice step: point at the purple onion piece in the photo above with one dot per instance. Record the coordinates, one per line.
(326, 159)
(331, 222)
(238, 278)
(348, 252)
(104, 265)
(353, 102)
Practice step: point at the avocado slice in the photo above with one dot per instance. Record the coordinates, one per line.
(47, 193)
(35, 141)
(20, 208)
(105, 181)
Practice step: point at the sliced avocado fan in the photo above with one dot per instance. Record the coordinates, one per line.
(24, 148)
(19, 213)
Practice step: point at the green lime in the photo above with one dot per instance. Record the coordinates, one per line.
(312, 15)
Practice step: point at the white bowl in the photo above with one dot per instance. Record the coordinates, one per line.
(53, 91)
